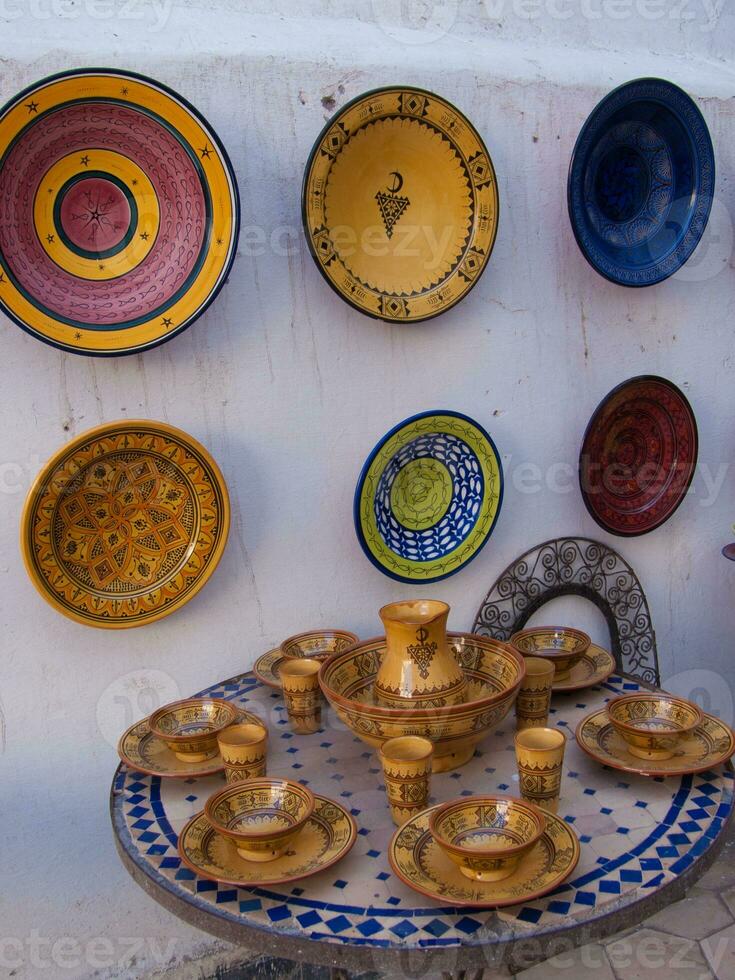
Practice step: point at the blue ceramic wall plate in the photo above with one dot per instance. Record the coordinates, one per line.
(428, 497)
(641, 182)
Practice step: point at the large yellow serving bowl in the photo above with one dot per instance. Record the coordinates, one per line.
(494, 673)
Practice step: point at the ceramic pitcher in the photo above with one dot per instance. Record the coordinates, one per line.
(418, 669)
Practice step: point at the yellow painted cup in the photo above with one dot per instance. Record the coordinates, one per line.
(302, 694)
(243, 749)
(406, 762)
(540, 758)
(534, 694)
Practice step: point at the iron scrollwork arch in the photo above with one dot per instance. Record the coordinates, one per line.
(576, 566)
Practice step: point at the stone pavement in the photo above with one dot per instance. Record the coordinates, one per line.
(693, 939)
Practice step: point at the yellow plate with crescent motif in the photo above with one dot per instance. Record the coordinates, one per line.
(710, 744)
(125, 524)
(119, 212)
(421, 864)
(400, 204)
(326, 838)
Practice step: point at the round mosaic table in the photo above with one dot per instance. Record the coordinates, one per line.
(643, 842)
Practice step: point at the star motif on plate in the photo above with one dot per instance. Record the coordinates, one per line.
(206, 151)
(167, 322)
(77, 336)
(84, 160)
(32, 107)
(50, 239)
(144, 235)
(124, 90)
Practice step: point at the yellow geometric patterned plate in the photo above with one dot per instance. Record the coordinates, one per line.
(326, 837)
(141, 750)
(422, 865)
(594, 668)
(266, 668)
(125, 524)
(400, 204)
(712, 743)
(119, 212)
(428, 496)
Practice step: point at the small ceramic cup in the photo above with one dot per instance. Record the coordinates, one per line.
(540, 757)
(534, 694)
(302, 694)
(406, 762)
(243, 749)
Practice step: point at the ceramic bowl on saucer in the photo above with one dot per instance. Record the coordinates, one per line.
(260, 816)
(562, 645)
(317, 644)
(486, 836)
(653, 725)
(190, 727)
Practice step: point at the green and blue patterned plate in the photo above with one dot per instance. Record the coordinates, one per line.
(428, 497)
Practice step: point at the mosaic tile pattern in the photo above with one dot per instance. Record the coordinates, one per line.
(636, 833)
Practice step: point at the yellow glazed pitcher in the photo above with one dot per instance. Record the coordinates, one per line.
(418, 669)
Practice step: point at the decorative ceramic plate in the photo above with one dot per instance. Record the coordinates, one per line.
(266, 668)
(428, 497)
(641, 182)
(422, 865)
(710, 744)
(594, 668)
(638, 456)
(327, 836)
(119, 212)
(400, 204)
(143, 751)
(125, 524)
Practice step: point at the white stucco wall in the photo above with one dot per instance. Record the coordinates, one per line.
(289, 388)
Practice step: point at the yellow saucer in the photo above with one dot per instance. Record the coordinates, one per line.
(328, 835)
(708, 745)
(266, 668)
(422, 865)
(143, 751)
(400, 204)
(594, 668)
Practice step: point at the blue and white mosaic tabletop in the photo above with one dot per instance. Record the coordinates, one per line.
(637, 835)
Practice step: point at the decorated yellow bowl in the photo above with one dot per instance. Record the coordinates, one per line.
(317, 644)
(486, 836)
(190, 728)
(653, 724)
(260, 816)
(494, 673)
(562, 645)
